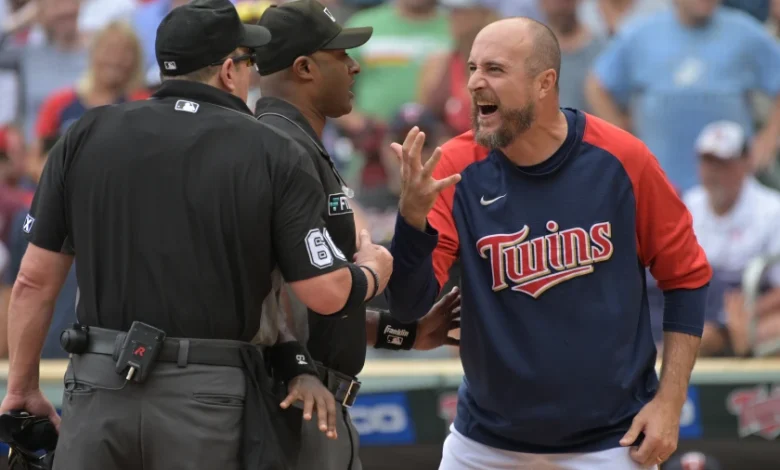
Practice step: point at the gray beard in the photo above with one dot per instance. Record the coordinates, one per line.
(514, 123)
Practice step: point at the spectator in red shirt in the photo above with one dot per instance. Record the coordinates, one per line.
(443, 78)
(115, 75)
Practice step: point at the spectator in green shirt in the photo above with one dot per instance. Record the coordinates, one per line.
(406, 33)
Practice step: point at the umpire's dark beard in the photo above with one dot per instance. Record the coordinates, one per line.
(513, 123)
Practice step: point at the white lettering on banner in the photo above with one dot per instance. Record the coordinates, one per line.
(383, 419)
(321, 248)
(758, 410)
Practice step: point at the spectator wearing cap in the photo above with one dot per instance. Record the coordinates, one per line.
(735, 219)
(667, 75)
(306, 79)
(115, 74)
(443, 77)
(181, 210)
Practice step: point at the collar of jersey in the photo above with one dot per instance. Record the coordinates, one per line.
(273, 105)
(202, 93)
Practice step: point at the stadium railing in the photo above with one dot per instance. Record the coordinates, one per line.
(751, 284)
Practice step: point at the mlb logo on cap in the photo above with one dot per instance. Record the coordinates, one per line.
(170, 65)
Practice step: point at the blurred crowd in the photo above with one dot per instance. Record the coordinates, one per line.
(697, 80)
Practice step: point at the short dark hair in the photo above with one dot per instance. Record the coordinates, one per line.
(546, 51)
(201, 75)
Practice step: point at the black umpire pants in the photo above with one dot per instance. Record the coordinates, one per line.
(181, 418)
(320, 453)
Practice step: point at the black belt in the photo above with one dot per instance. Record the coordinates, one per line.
(180, 351)
(344, 388)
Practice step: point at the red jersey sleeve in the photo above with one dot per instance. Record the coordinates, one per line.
(457, 154)
(667, 243)
(665, 239)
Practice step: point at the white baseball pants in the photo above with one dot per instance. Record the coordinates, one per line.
(462, 453)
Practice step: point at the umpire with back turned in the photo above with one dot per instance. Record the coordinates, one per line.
(178, 208)
(306, 79)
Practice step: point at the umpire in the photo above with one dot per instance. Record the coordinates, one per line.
(178, 209)
(306, 79)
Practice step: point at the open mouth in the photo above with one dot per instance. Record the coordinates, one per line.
(487, 109)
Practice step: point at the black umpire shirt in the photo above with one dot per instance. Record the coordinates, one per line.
(338, 342)
(177, 209)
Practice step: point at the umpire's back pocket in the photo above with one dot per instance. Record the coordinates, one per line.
(218, 399)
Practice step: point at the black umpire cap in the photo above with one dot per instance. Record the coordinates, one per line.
(303, 27)
(201, 33)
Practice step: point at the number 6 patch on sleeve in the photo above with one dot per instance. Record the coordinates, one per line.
(322, 249)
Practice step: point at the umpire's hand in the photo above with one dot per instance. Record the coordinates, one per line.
(433, 329)
(310, 390)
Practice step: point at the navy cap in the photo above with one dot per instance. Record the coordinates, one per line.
(201, 33)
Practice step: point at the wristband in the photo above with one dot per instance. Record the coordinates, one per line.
(357, 295)
(376, 281)
(393, 334)
(289, 360)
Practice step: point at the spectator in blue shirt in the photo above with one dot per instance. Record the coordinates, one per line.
(681, 69)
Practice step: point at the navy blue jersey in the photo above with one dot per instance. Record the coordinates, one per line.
(556, 341)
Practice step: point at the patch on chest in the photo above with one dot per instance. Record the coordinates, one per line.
(536, 265)
(338, 204)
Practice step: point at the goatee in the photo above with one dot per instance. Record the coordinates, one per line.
(513, 123)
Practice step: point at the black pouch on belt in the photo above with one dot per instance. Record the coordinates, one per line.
(271, 437)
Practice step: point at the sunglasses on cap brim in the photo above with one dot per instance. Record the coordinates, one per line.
(250, 58)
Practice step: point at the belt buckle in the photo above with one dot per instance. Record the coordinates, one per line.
(349, 398)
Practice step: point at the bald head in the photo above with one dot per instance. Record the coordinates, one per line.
(514, 65)
(529, 38)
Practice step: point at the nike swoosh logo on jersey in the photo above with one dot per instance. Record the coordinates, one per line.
(489, 201)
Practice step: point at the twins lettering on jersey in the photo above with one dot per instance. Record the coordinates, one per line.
(536, 265)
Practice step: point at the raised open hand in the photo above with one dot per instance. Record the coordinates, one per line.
(418, 187)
